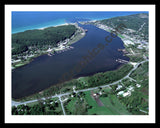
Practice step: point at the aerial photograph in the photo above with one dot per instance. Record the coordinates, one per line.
(80, 62)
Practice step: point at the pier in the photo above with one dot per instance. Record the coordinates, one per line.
(122, 61)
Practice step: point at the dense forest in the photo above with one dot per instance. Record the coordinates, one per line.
(134, 22)
(48, 36)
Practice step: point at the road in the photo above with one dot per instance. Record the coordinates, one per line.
(14, 103)
(62, 105)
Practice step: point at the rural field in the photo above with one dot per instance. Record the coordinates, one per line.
(88, 104)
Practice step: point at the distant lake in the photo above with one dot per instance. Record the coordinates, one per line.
(46, 70)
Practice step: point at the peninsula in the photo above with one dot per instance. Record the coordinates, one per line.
(33, 43)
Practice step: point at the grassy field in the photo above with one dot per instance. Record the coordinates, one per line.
(85, 104)
(112, 106)
(119, 35)
(19, 65)
(96, 110)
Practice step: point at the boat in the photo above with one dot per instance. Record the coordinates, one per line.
(50, 54)
(86, 30)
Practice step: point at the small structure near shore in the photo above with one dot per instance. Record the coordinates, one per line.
(121, 61)
(49, 50)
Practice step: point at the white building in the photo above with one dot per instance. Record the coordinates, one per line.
(131, 88)
(61, 46)
(49, 50)
(119, 87)
(138, 85)
(128, 93)
(120, 93)
(128, 42)
(51, 102)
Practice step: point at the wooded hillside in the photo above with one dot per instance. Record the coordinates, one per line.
(49, 36)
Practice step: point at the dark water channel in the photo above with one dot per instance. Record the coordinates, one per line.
(46, 70)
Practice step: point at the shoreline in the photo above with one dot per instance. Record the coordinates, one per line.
(79, 34)
(77, 78)
(80, 76)
(50, 25)
(42, 28)
(33, 27)
(40, 93)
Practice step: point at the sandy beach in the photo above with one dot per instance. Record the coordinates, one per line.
(52, 26)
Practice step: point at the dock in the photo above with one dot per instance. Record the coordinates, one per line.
(122, 61)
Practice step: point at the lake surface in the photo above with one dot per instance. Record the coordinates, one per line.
(46, 70)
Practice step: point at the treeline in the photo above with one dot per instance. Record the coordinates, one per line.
(141, 74)
(134, 22)
(90, 81)
(87, 82)
(107, 77)
(49, 36)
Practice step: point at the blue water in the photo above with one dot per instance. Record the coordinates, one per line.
(26, 20)
(46, 71)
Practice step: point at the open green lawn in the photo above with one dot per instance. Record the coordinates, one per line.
(20, 64)
(112, 106)
(87, 105)
(120, 36)
(98, 110)
(112, 103)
